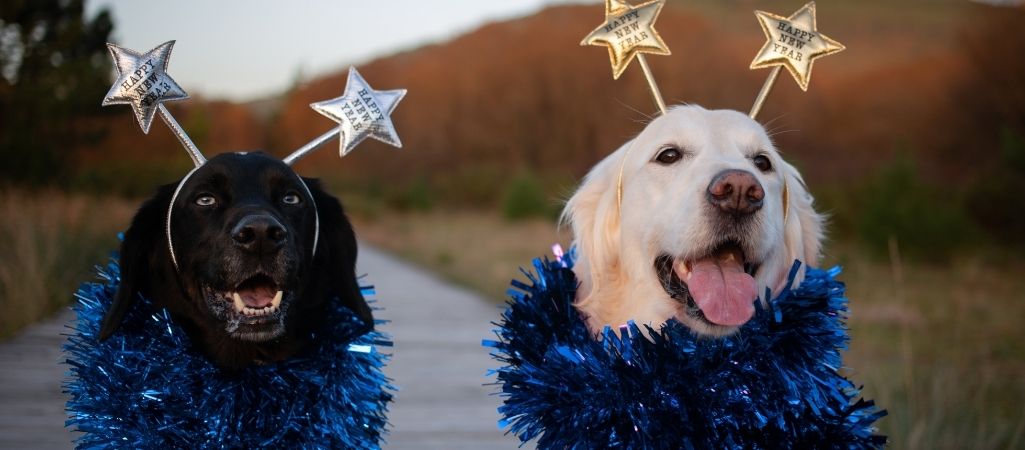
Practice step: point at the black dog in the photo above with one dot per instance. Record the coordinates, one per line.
(249, 287)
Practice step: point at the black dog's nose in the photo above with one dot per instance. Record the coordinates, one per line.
(736, 192)
(259, 233)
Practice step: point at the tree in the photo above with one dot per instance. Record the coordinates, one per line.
(54, 69)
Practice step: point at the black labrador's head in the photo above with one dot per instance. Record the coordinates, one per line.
(253, 274)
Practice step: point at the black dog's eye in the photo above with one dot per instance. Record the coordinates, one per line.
(669, 156)
(206, 200)
(290, 199)
(762, 163)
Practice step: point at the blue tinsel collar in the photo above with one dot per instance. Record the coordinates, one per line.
(774, 384)
(144, 388)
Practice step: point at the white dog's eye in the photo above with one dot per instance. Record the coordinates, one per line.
(669, 156)
(290, 199)
(762, 162)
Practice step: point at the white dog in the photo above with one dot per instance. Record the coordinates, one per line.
(687, 221)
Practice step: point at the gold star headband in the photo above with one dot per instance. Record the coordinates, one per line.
(793, 42)
(143, 83)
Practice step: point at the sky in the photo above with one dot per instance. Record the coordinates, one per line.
(241, 50)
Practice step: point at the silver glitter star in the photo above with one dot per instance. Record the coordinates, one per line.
(362, 112)
(143, 81)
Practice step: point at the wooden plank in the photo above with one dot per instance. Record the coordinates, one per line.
(31, 402)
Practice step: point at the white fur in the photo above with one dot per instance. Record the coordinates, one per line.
(664, 210)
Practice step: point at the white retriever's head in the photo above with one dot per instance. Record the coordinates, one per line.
(700, 233)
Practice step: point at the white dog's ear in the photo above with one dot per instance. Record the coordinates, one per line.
(803, 234)
(593, 213)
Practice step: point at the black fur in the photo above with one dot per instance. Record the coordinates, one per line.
(212, 261)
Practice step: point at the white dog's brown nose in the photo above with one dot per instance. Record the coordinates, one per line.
(736, 192)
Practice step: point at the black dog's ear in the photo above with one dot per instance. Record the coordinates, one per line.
(336, 253)
(139, 247)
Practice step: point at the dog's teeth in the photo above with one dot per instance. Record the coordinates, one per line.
(683, 271)
(240, 306)
(277, 299)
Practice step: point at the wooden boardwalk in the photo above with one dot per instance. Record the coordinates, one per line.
(437, 363)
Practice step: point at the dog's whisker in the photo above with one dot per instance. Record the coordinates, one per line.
(680, 102)
(775, 133)
(769, 122)
(647, 117)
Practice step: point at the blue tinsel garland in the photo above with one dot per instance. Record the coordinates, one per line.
(144, 388)
(774, 384)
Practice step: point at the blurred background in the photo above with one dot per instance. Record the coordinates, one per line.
(912, 140)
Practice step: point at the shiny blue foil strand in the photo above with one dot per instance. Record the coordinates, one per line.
(144, 388)
(774, 384)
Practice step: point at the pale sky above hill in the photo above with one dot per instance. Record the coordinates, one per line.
(245, 49)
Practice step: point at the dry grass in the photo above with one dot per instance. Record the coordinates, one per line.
(941, 348)
(49, 243)
(477, 250)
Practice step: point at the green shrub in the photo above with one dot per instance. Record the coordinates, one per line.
(525, 198)
(927, 222)
(472, 185)
(416, 196)
(995, 199)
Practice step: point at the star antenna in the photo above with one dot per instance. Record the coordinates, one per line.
(793, 42)
(360, 112)
(629, 33)
(142, 82)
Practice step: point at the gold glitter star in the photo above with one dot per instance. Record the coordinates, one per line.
(793, 42)
(627, 31)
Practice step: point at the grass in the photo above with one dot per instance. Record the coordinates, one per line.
(941, 347)
(49, 243)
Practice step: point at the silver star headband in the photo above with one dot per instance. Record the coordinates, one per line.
(143, 83)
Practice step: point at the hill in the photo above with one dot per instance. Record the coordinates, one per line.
(523, 95)
(935, 80)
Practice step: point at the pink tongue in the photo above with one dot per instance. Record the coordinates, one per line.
(722, 290)
(260, 297)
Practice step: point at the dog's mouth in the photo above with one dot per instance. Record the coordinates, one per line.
(253, 310)
(257, 296)
(717, 288)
